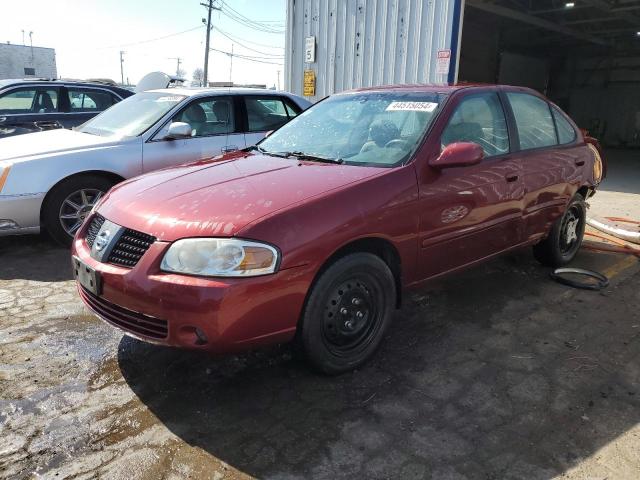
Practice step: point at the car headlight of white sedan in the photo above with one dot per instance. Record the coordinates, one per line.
(220, 257)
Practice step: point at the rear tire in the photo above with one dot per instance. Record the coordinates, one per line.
(565, 238)
(69, 203)
(347, 313)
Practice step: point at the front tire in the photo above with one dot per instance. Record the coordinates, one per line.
(347, 313)
(69, 203)
(565, 238)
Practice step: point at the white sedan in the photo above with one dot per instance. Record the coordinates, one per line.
(52, 179)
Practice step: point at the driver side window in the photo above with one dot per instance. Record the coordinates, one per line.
(479, 119)
(209, 116)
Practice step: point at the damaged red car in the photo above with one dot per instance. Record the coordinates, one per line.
(313, 234)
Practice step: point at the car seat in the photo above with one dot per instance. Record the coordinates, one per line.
(196, 117)
(45, 104)
(221, 110)
(381, 133)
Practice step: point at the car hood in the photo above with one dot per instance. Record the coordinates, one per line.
(51, 142)
(219, 197)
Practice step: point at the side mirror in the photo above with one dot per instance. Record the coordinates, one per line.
(178, 130)
(459, 154)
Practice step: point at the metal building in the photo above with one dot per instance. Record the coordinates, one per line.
(20, 61)
(584, 55)
(344, 44)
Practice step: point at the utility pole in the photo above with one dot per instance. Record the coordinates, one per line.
(22, 37)
(278, 79)
(210, 7)
(179, 60)
(231, 65)
(31, 42)
(122, 66)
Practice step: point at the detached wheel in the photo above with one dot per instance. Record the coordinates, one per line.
(69, 203)
(566, 235)
(347, 313)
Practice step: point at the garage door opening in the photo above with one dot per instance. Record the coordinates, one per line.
(584, 55)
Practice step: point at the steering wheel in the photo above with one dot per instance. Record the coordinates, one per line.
(397, 143)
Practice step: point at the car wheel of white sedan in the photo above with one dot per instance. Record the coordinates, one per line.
(70, 202)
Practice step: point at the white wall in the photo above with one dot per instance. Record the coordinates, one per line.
(14, 59)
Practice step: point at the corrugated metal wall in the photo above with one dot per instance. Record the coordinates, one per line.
(367, 42)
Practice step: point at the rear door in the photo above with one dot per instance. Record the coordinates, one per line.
(266, 113)
(551, 170)
(30, 107)
(469, 213)
(80, 104)
(213, 121)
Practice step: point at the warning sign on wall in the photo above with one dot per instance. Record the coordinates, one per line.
(309, 86)
(443, 61)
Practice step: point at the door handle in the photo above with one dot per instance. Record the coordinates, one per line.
(229, 148)
(3, 119)
(511, 177)
(579, 163)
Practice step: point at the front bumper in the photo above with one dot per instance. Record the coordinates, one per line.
(232, 314)
(20, 214)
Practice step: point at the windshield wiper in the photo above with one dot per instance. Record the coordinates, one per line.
(313, 158)
(265, 152)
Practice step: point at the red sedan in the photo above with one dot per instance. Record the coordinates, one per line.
(313, 234)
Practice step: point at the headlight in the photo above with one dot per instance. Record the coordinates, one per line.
(220, 257)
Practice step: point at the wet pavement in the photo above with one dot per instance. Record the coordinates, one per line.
(493, 373)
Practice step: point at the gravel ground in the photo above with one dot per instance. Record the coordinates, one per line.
(494, 373)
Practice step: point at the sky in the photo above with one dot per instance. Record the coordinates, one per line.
(89, 34)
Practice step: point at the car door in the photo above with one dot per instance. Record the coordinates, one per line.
(80, 104)
(547, 167)
(469, 213)
(265, 113)
(30, 107)
(213, 120)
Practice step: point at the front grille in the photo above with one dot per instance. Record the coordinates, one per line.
(130, 247)
(125, 319)
(94, 228)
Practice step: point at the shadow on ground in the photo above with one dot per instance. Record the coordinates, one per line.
(33, 257)
(482, 376)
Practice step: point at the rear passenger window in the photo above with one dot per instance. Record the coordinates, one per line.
(89, 100)
(566, 132)
(479, 119)
(266, 113)
(533, 119)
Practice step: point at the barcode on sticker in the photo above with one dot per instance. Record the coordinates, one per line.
(412, 106)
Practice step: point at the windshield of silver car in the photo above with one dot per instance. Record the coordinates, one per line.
(380, 129)
(132, 116)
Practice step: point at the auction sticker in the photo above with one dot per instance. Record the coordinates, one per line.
(174, 98)
(412, 106)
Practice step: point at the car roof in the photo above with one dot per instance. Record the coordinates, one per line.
(9, 82)
(437, 88)
(199, 91)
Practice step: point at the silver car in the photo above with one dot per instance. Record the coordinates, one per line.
(53, 179)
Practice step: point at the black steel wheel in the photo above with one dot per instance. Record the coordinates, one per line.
(564, 240)
(347, 312)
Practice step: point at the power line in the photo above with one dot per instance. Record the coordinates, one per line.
(245, 57)
(239, 18)
(244, 46)
(151, 39)
(235, 39)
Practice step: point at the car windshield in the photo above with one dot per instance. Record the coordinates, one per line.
(132, 116)
(380, 129)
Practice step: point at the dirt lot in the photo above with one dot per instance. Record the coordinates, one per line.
(493, 373)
